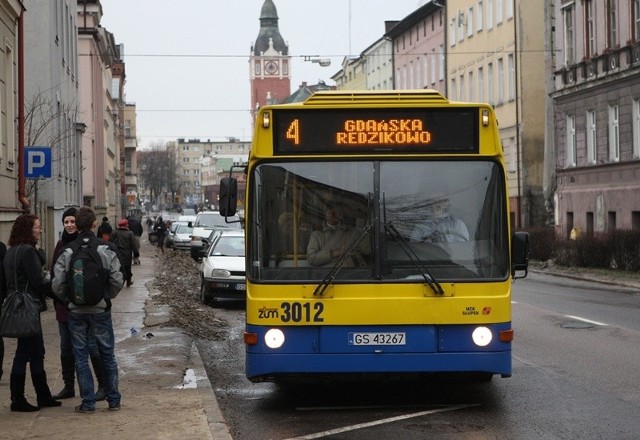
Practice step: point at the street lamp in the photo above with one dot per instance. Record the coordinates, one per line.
(323, 62)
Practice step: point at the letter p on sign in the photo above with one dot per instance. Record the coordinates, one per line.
(37, 162)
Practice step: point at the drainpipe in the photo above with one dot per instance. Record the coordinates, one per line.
(22, 198)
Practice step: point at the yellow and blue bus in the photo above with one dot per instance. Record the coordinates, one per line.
(349, 269)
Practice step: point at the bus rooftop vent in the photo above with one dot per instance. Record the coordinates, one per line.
(359, 97)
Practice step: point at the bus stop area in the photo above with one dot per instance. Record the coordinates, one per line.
(165, 390)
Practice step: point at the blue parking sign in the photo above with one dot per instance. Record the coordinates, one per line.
(37, 162)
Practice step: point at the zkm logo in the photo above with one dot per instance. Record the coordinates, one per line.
(265, 313)
(471, 311)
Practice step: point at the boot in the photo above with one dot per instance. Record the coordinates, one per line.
(68, 377)
(42, 390)
(18, 401)
(101, 394)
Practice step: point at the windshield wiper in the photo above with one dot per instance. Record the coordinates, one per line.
(331, 275)
(413, 257)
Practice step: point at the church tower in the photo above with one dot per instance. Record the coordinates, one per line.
(269, 63)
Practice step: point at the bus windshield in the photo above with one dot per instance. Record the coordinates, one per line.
(378, 221)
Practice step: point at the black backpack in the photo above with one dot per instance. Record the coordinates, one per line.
(86, 278)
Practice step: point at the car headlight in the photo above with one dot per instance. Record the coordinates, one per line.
(220, 273)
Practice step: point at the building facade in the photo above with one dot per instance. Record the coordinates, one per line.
(495, 54)
(100, 147)
(51, 108)
(419, 55)
(597, 116)
(10, 206)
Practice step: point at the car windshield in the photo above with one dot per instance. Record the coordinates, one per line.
(215, 220)
(184, 229)
(229, 247)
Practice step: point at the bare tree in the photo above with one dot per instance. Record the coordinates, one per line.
(50, 124)
(159, 170)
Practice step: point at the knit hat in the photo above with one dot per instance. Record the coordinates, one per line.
(105, 219)
(124, 223)
(70, 212)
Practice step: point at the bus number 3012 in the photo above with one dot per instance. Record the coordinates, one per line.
(302, 312)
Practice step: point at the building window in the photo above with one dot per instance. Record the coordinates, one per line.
(453, 92)
(635, 120)
(589, 230)
(441, 73)
(512, 77)
(635, 220)
(452, 32)
(470, 22)
(592, 155)
(590, 29)
(489, 4)
(500, 90)
(461, 90)
(490, 84)
(471, 87)
(611, 221)
(569, 55)
(479, 16)
(636, 20)
(480, 84)
(571, 141)
(433, 66)
(614, 134)
(499, 11)
(509, 9)
(569, 224)
(612, 24)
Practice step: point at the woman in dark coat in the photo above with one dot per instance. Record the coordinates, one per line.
(24, 265)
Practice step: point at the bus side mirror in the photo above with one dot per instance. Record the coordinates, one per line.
(228, 196)
(519, 254)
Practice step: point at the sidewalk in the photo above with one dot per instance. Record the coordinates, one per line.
(164, 387)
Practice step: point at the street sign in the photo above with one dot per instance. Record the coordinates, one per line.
(37, 162)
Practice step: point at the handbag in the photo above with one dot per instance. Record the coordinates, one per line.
(20, 316)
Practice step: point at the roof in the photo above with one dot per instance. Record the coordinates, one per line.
(269, 35)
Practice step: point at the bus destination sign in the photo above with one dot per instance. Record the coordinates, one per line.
(415, 130)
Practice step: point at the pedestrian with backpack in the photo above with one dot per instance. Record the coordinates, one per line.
(88, 275)
(67, 360)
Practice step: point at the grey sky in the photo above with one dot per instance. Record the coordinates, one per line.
(187, 61)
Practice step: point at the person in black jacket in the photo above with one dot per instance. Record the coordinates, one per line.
(24, 270)
(105, 229)
(135, 226)
(126, 243)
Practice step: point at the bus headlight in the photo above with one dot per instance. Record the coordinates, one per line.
(274, 338)
(482, 336)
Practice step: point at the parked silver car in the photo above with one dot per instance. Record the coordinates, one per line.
(182, 237)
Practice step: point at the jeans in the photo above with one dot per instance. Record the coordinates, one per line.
(82, 325)
(66, 346)
(29, 350)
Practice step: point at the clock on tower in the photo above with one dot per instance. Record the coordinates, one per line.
(271, 67)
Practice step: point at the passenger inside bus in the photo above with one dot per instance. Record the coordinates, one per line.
(328, 245)
(440, 226)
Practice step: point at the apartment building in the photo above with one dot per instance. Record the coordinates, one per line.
(597, 115)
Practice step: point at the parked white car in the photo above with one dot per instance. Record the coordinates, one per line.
(207, 221)
(222, 271)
